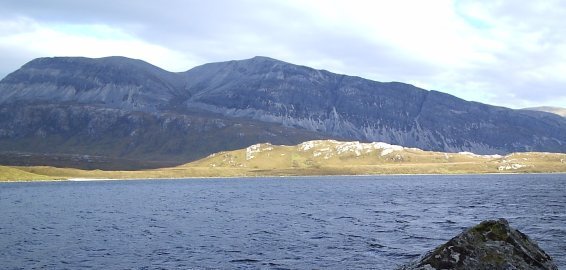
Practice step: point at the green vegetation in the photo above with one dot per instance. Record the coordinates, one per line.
(491, 230)
(321, 158)
(13, 174)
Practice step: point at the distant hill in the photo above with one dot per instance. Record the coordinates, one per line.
(330, 157)
(554, 110)
(338, 157)
(121, 113)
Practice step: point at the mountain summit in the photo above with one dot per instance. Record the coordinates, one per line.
(129, 109)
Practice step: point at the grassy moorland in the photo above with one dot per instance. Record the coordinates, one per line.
(14, 174)
(325, 157)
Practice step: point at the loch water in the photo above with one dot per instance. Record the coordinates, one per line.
(369, 222)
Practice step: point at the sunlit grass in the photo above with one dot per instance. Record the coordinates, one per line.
(273, 160)
(13, 174)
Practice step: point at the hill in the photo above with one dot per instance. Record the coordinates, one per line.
(330, 157)
(13, 174)
(335, 157)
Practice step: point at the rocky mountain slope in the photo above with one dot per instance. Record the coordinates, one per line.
(354, 108)
(119, 108)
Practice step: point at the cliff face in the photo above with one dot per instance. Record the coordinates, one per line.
(354, 108)
(492, 244)
(114, 82)
(301, 102)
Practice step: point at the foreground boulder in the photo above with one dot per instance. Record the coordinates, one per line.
(490, 245)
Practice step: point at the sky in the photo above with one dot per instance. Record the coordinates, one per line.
(500, 52)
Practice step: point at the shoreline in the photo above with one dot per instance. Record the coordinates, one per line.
(80, 179)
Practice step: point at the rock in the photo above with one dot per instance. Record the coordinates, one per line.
(492, 244)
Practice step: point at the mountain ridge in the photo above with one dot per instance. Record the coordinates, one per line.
(75, 94)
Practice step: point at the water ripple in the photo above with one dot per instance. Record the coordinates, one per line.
(271, 223)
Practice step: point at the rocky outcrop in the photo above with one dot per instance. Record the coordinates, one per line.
(492, 244)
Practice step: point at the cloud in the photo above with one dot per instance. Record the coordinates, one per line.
(528, 60)
(500, 52)
(36, 40)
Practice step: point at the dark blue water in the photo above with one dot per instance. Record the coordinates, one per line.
(266, 223)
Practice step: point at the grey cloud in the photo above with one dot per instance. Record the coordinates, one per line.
(505, 85)
(14, 58)
(166, 21)
(219, 30)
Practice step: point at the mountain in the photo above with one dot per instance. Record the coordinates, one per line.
(120, 113)
(354, 108)
(554, 110)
